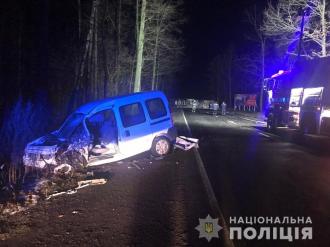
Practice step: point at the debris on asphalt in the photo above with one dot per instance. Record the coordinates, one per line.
(136, 166)
(56, 194)
(21, 204)
(98, 181)
(64, 169)
(81, 184)
(70, 192)
(31, 199)
(186, 143)
(91, 173)
(12, 208)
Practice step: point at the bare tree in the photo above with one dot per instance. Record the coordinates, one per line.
(283, 23)
(163, 46)
(256, 62)
(113, 59)
(86, 60)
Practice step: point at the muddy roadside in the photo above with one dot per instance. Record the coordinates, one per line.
(145, 202)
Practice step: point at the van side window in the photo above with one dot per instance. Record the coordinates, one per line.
(132, 114)
(156, 108)
(102, 125)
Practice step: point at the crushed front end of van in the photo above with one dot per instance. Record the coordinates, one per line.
(68, 145)
(40, 152)
(51, 151)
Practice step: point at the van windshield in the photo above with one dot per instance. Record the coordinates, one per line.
(70, 125)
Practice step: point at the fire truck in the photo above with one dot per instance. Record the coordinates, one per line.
(300, 97)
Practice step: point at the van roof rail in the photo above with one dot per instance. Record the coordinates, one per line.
(89, 107)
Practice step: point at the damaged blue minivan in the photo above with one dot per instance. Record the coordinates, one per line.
(106, 131)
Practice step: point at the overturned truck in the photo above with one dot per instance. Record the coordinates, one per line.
(106, 131)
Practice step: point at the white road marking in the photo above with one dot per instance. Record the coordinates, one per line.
(185, 120)
(253, 120)
(232, 122)
(247, 119)
(209, 191)
(262, 134)
(137, 166)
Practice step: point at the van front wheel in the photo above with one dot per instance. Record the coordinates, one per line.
(161, 146)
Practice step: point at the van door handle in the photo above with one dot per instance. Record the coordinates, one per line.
(127, 133)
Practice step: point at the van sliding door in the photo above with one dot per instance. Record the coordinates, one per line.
(135, 131)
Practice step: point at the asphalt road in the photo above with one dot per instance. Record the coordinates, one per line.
(255, 173)
(158, 202)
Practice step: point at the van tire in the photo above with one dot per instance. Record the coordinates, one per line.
(161, 146)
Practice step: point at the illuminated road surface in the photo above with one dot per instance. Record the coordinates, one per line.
(146, 202)
(254, 173)
(149, 202)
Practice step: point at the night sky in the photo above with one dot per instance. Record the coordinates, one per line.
(213, 26)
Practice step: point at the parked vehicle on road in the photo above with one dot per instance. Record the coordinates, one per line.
(300, 98)
(106, 131)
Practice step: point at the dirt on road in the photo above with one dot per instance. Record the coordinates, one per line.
(146, 202)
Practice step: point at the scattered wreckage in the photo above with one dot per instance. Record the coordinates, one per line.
(107, 131)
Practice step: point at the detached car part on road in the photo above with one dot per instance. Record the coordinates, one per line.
(106, 131)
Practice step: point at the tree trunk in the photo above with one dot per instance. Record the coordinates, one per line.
(154, 66)
(87, 48)
(19, 58)
(130, 88)
(157, 78)
(324, 28)
(139, 58)
(79, 18)
(133, 64)
(95, 53)
(137, 23)
(89, 90)
(105, 64)
(82, 63)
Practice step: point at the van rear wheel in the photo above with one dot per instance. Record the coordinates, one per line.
(161, 146)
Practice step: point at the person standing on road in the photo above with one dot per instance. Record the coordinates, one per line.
(214, 107)
(223, 108)
(194, 106)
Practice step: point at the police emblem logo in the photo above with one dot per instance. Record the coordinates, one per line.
(208, 228)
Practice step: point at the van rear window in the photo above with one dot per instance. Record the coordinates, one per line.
(132, 114)
(156, 108)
